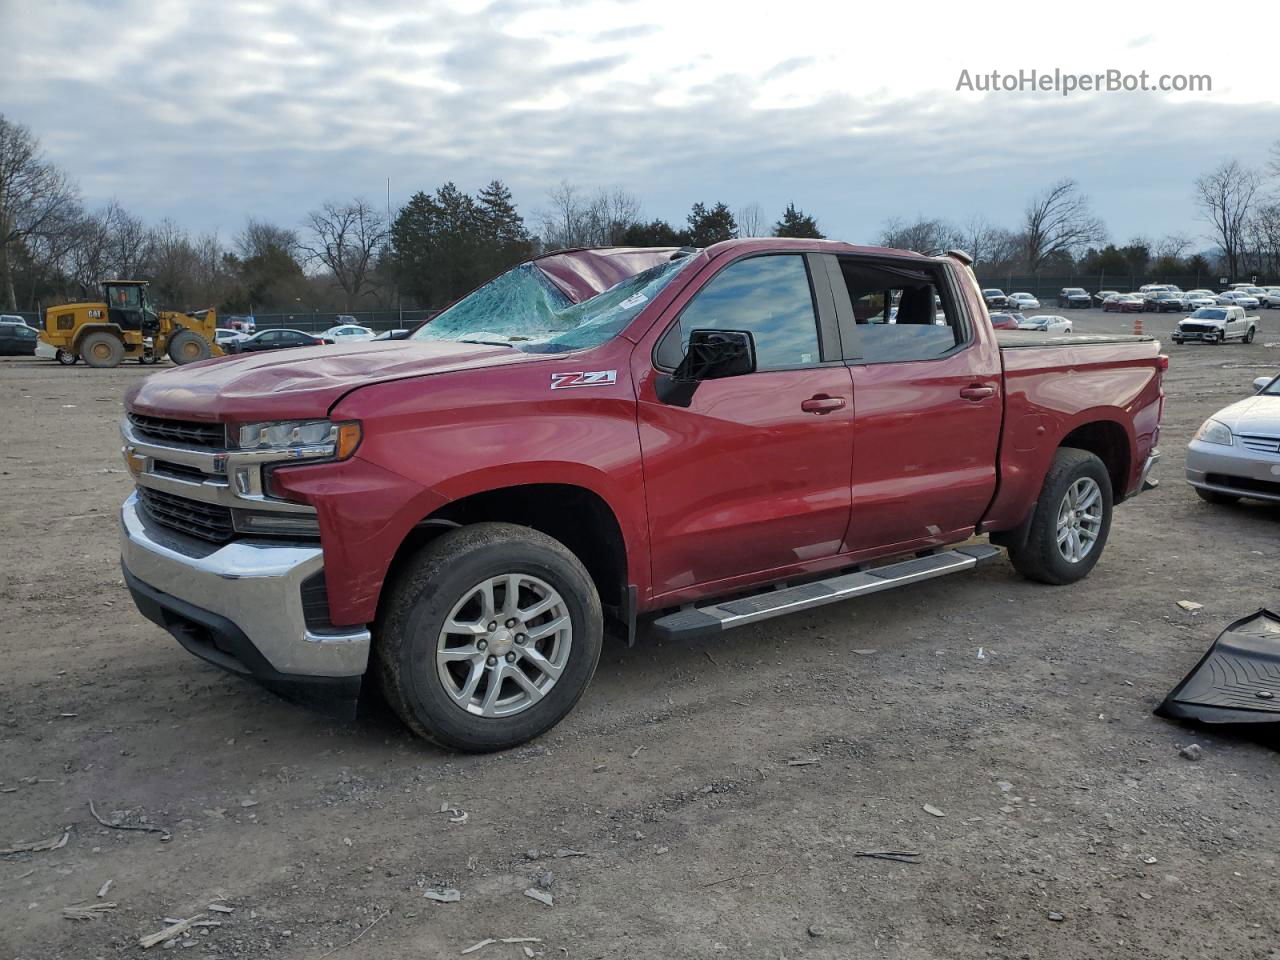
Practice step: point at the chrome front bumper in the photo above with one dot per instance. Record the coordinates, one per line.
(255, 587)
(1234, 469)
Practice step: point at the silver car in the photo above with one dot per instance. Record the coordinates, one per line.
(1236, 452)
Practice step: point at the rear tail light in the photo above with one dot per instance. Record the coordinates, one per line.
(1162, 362)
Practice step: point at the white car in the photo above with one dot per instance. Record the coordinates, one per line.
(1023, 301)
(12, 318)
(1239, 299)
(223, 335)
(1272, 299)
(1197, 299)
(1216, 325)
(1046, 323)
(348, 333)
(1235, 452)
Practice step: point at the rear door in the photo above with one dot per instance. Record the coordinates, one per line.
(928, 395)
(753, 475)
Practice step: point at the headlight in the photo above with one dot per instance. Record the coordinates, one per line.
(1213, 431)
(302, 439)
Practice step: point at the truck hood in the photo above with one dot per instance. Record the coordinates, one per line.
(303, 382)
(1256, 415)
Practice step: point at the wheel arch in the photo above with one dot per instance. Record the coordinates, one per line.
(575, 515)
(1109, 441)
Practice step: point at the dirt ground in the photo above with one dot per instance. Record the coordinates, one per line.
(1072, 828)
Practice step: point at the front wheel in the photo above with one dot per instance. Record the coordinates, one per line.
(1071, 520)
(65, 357)
(492, 633)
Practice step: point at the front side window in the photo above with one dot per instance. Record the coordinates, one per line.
(898, 312)
(770, 297)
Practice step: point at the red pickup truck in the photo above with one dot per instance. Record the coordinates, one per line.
(705, 438)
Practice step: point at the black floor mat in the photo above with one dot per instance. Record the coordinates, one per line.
(1237, 680)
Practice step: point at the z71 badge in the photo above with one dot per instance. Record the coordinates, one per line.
(589, 378)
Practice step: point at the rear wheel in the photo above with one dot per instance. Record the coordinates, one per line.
(491, 635)
(186, 346)
(1213, 496)
(1071, 520)
(102, 350)
(1248, 337)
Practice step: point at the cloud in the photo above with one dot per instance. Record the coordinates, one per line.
(209, 112)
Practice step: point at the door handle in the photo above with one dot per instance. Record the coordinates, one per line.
(978, 392)
(821, 404)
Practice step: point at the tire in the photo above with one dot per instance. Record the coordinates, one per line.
(101, 350)
(1040, 557)
(1248, 337)
(65, 357)
(186, 346)
(147, 359)
(1213, 496)
(441, 584)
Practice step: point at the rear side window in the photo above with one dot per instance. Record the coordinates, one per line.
(768, 296)
(902, 313)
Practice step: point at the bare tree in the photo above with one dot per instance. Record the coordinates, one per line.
(613, 211)
(37, 200)
(1225, 196)
(260, 239)
(576, 219)
(751, 221)
(1172, 246)
(1059, 222)
(343, 238)
(920, 235)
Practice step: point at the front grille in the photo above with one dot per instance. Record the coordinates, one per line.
(1197, 328)
(1261, 444)
(208, 521)
(179, 471)
(187, 432)
(1268, 487)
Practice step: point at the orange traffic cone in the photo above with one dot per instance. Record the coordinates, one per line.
(1137, 325)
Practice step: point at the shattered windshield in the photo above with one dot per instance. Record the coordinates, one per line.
(523, 309)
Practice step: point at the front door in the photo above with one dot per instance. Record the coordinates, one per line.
(753, 475)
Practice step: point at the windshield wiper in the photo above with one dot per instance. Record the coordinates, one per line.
(490, 343)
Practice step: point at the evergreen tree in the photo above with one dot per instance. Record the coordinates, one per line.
(656, 233)
(710, 226)
(795, 223)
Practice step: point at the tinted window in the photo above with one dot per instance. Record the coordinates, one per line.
(767, 296)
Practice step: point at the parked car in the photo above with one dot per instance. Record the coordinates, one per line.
(397, 334)
(12, 318)
(1238, 298)
(1216, 325)
(1074, 297)
(18, 340)
(995, 297)
(1124, 303)
(224, 336)
(1272, 298)
(348, 333)
(274, 340)
(241, 324)
(1158, 287)
(1235, 452)
(1195, 299)
(458, 514)
(1102, 295)
(1023, 301)
(1046, 323)
(1259, 293)
(1164, 301)
(1004, 321)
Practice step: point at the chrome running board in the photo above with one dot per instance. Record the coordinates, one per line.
(724, 615)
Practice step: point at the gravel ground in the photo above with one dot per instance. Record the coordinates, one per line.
(663, 816)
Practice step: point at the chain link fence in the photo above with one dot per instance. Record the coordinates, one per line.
(1046, 289)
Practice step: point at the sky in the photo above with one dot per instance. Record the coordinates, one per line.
(210, 111)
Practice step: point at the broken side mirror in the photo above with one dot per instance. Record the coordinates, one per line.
(712, 355)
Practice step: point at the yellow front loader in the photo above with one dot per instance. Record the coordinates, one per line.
(126, 327)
